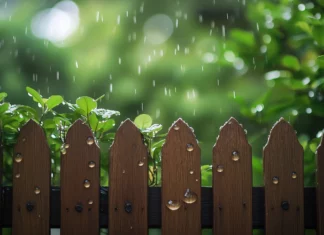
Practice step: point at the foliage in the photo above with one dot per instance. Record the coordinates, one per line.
(55, 124)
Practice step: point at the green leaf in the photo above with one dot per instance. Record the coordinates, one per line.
(36, 96)
(153, 129)
(290, 62)
(318, 34)
(106, 125)
(243, 37)
(93, 121)
(317, 83)
(87, 104)
(143, 121)
(54, 101)
(304, 26)
(3, 95)
(4, 107)
(320, 61)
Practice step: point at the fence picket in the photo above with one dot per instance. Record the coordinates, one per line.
(232, 181)
(128, 182)
(80, 182)
(284, 181)
(320, 188)
(31, 182)
(181, 178)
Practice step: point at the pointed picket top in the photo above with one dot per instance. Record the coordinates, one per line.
(320, 187)
(31, 181)
(181, 178)
(128, 182)
(232, 175)
(283, 158)
(80, 181)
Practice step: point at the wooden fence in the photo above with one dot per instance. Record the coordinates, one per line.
(180, 206)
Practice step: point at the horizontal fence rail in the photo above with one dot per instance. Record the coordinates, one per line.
(180, 206)
(154, 205)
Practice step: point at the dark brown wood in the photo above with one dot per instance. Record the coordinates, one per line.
(80, 182)
(31, 182)
(284, 181)
(232, 181)
(181, 180)
(320, 188)
(128, 183)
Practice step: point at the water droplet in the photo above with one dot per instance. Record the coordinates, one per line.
(92, 164)
(191, 172)
(124, 171)
(86, 184)
(235, 156)
(66, 146)
(173, 205)
(190, 197)
(37, 190)
(17, 175)
(275, 180)
(63, 151)
(294, 175)
(90, 202)
(197, 180)
(18, 157)
(175, 127)
(140, 163)
(220, 168)
(190, 147)
(24, 140)
(90, 141)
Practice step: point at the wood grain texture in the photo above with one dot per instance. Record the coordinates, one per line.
(232, 181)
(320, 188)
(31, 182)
(283, 158)
(77, 167)
(128, 182)
(181, 172)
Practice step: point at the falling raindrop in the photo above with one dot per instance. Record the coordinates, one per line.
(235, 156)
(275, 180)
(18, 157)
(173, 205)
(86, 184)
(190, 197)
(90, 141)
(190, 147)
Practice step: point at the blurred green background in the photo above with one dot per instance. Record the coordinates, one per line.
(203, 61)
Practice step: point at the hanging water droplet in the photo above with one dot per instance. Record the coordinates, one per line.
(18, 157)
(63, 151)
(86, 184)
(190, 197)
(17, 175)
(37, 190)
(275, 180)
(191, 172)
(92, 164)
(24, 140)
(90, 202)
(190, 147)
(124, 171)
(66, 146)
(175, 127)
(294, 175)
(235, 156)
(197, 180)
(90, 141)
(140, 163)
(220, 168)
(173, 205)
